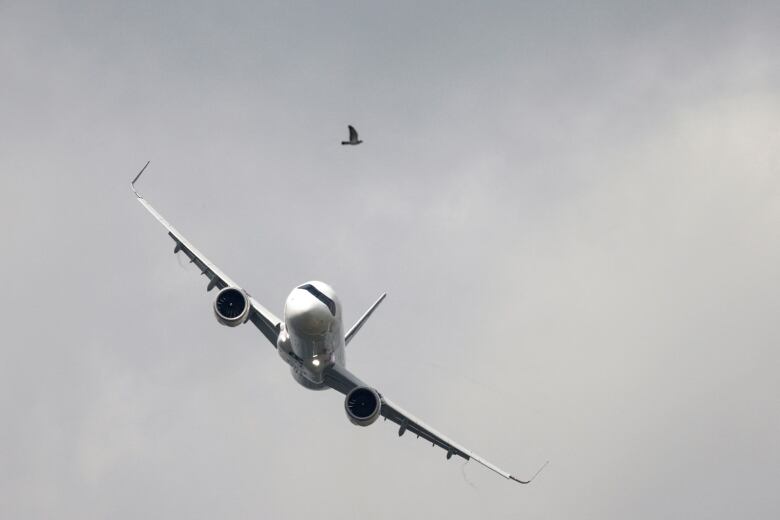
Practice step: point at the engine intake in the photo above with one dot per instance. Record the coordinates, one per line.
(363, 405)
(231, 307)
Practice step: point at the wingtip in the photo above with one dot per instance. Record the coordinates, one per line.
(132, 183)
(533, 477)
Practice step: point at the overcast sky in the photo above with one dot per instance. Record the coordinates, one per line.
(575, 211)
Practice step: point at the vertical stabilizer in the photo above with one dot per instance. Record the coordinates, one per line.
(362, 320)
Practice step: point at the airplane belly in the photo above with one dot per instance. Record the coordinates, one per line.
(312, 355)
(305, 382)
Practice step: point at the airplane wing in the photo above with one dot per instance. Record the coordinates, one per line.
(261, 317)
(341, 380)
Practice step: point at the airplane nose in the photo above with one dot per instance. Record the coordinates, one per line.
(304, 314)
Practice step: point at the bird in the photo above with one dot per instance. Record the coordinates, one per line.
(353, 136)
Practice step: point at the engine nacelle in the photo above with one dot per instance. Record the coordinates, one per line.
(363, 405)
(231, 307)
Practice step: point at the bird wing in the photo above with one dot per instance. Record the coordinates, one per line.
(353, 136)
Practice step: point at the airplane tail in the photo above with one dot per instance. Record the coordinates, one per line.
(356, 327)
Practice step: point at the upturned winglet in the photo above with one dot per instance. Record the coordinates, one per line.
(132, 183)
(532, 478)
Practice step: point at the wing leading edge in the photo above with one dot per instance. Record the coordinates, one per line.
(261, 317)
(342, 380)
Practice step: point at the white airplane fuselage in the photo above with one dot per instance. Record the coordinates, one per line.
(312, 337)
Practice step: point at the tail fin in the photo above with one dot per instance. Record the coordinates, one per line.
(356, 327)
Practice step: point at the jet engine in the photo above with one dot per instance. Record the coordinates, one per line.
(231, 307)
(363, 405)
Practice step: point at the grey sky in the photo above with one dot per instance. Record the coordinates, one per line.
(575, 212)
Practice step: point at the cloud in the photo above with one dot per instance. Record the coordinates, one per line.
(573, 208)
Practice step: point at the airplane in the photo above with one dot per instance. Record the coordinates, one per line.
(312, 341)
